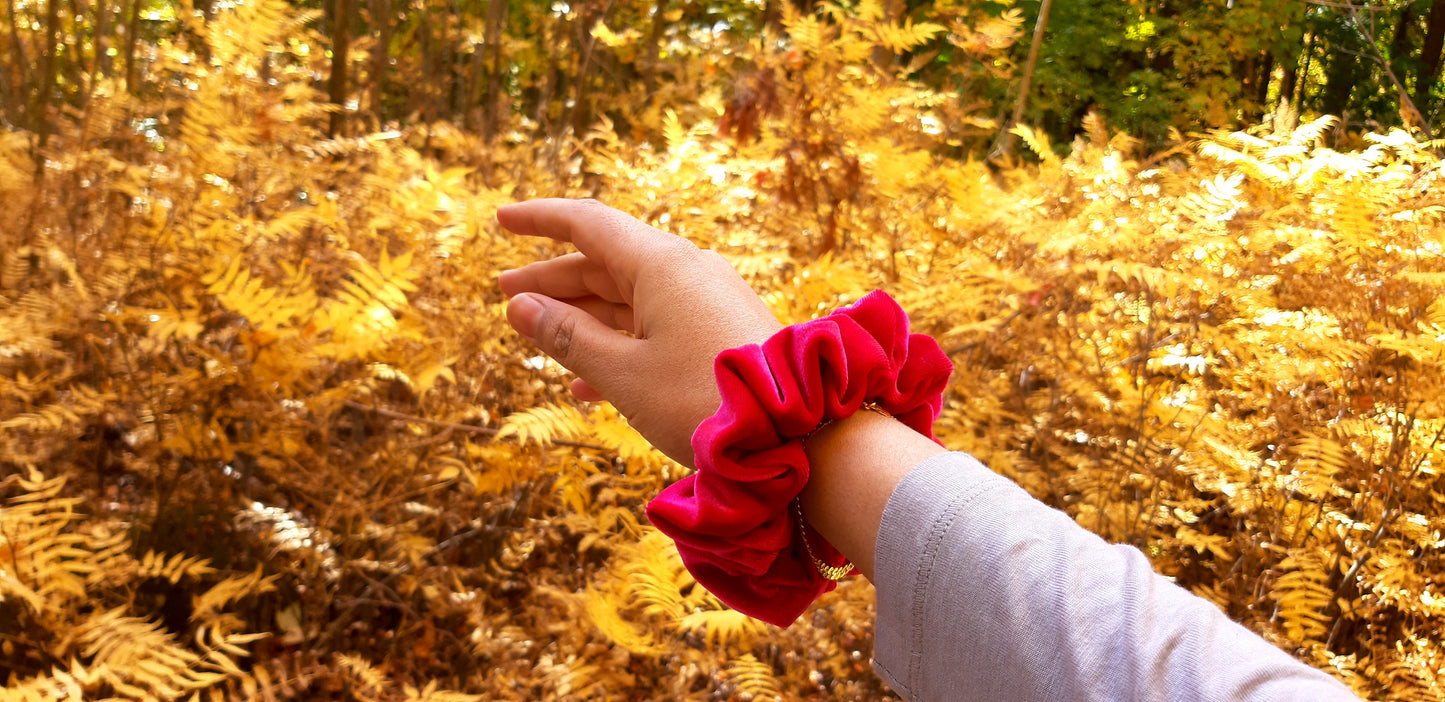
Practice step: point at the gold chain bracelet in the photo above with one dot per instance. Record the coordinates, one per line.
(870, 406)
(831, 572)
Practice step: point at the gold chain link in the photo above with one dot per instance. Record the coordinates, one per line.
(830, 572)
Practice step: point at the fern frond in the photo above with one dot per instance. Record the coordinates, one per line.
(906, 37)
(1311, 133)
(1302, 595)
(753, 677)
(207, 606)
(139, 659)
(544, 425)
(431, 693)
(611, 429)
(179, 566)
(372, 682)
(604, 610)
(1320, 459)
(723, 628)
(1037, 143)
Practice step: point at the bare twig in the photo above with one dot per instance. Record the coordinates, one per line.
(1407, 106)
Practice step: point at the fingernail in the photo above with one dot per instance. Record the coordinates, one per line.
(524, 312)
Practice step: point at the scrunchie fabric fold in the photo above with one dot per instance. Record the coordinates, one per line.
(730, 518)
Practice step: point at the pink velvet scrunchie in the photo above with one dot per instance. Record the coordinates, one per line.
(730, 519)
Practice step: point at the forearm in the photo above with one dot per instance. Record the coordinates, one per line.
(986, 593)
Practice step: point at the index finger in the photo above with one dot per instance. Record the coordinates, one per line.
(605, 235)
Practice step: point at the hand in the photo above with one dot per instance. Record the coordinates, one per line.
(682, 306)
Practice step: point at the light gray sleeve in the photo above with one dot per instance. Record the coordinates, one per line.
(985, 593)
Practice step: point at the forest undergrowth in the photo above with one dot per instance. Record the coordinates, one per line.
(265, 433)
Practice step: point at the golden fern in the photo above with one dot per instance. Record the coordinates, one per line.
(610, 428)
(753, 677)
(1236, 338)
(723, 628)
(601, 607)
(1037, 143)
(544, 425)
(430, 693)
(47, 564)
(178, 566)
(80, 402)
(207, 607)
(54, 564)
(371, 683)
(1302, 596)
(907, 36)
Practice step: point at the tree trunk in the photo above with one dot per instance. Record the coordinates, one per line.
(421, 102)
(1290, 80)
(132, 38)
(1039, 26)
(380, 57)
(650, 60)
(474, 88)
(340, 53)
(1400, 44)
(772, 14)
(1430, 58)
(102, 38)
(1288, 83)
(73, 48)
(1297, 96)
(207, 8)
(21, 89)
(452, 77)
(49, 66)
(554, 85)
(1341, 76)
(1263, 76)
(457, 66)
(582, 84)
(495, 34)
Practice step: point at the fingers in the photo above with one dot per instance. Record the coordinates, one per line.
(618, 242)
(576, 339)
(585, 392)
(613, 314)
(569, 276)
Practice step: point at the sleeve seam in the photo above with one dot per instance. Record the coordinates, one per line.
(923, 580)
(890, 679)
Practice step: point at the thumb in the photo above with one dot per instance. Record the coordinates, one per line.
(575, 339)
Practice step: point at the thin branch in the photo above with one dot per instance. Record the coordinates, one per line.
(1345, 5)
(1405, 101)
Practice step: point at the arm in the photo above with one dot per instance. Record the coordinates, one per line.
(983, 592)
(986, 593)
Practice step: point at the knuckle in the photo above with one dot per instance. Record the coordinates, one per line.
(591, 205)
(672, 258)
(676, 249)
(562, 333)
(714, 259)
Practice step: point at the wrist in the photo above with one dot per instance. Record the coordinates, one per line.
(736, 520)
(855, 464)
